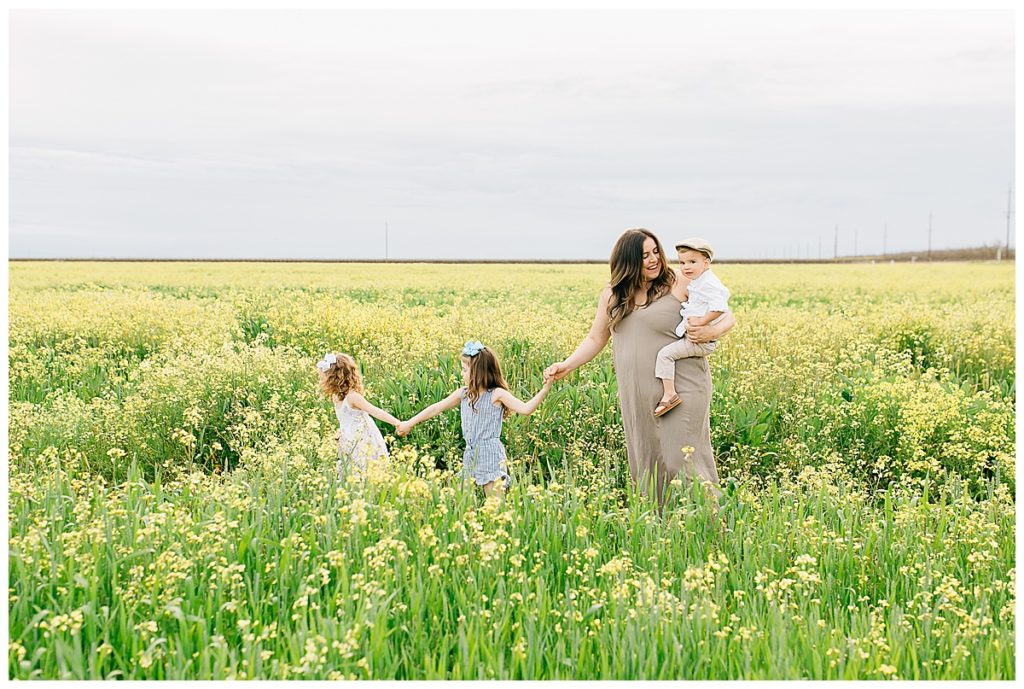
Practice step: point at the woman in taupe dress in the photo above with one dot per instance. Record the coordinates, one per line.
(638, 311)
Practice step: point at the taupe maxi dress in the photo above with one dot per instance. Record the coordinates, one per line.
(653, 445)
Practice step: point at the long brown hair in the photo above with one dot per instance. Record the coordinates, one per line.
(627, 278)
(484, 374)
(342, 377)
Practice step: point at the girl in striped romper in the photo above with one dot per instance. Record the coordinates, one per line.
(484, 402)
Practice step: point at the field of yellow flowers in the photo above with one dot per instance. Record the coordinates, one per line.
(174, 513)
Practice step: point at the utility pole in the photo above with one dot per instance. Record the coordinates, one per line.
(1009, 206)
(385, 242)
(835, 247)
(929, 235)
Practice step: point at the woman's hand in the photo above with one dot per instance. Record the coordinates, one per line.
(556, 371)
(700, 333)
(711, 331)
(402, 429)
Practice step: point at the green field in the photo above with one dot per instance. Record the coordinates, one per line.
(173, 509)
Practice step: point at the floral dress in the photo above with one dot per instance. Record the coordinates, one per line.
(359, 440)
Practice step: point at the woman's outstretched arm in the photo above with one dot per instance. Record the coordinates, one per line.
(591, 345)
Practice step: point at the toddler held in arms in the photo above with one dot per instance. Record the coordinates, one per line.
(707, 299)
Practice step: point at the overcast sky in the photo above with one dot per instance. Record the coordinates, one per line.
(527, 134)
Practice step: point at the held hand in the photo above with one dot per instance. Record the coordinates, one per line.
(402, 429)
(556, 371)
(699, 333)
(547, 374)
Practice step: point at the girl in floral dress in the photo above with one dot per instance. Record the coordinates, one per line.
(359, 440)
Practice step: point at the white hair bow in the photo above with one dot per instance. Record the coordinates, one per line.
(325, 363)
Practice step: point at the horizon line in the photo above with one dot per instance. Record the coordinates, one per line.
(910, 258)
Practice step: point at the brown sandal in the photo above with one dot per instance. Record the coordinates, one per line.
(665, 407)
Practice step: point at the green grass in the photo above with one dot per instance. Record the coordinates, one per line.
(174, 511)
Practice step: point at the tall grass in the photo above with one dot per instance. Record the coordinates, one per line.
(174, 511)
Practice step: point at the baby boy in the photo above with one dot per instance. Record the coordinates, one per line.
(707, 299)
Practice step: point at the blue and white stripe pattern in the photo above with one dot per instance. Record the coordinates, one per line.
(484, 459)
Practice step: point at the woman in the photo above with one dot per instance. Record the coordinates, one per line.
(639, 310)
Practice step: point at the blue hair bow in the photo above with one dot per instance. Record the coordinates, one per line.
(472, 348)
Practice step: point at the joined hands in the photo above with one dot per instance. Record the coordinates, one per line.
(554, 372)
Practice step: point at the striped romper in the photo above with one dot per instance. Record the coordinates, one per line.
(484, 459)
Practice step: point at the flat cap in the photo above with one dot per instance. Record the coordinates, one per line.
(697, 244)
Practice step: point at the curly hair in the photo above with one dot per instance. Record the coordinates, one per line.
(484, 374)
(627, 278)
(341, 378)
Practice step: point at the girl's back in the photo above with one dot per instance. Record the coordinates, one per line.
(482, 420)
(484, 458)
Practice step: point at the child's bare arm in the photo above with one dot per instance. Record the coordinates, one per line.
(705, 319)
(517, 405)
(713, 331)
(360, 402)
(449, 402)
